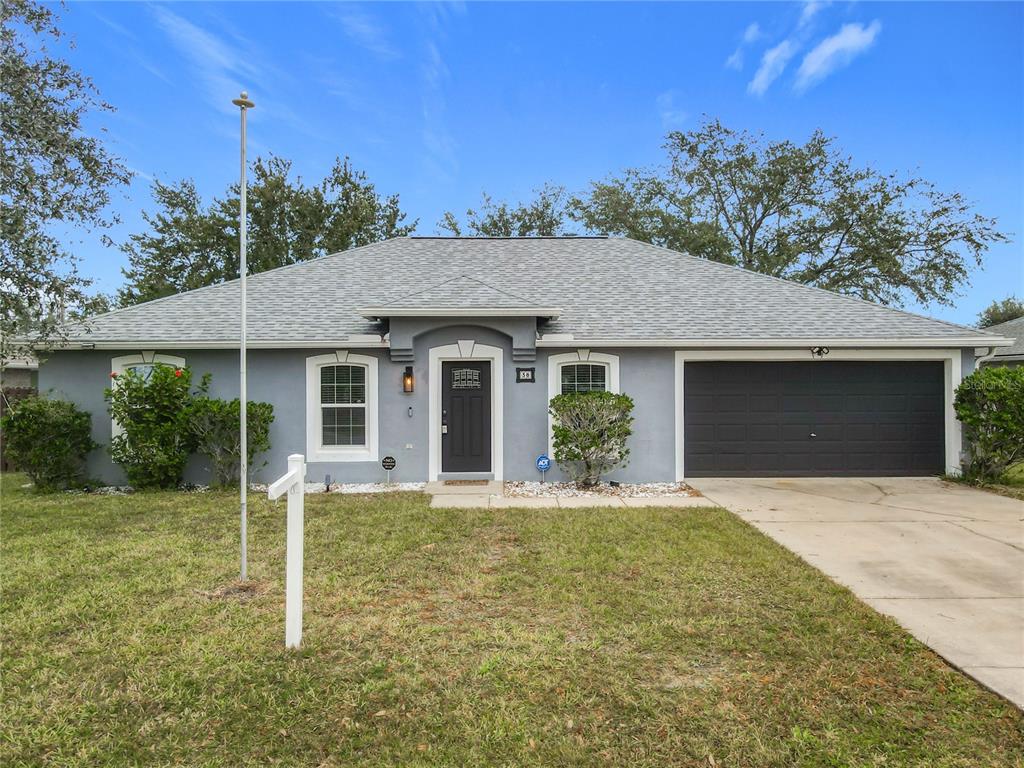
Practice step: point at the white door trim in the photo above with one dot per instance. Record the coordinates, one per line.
(953, 377)
(465, 349)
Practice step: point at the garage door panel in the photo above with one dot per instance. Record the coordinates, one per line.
(881, 418)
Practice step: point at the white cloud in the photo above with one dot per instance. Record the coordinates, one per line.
(223, 69)
(750, 35)
(671, 115)
(810, 10)
(773, 63)
(364, 31)
(220, 68)
(835, 52)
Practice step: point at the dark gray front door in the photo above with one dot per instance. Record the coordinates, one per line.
(813, 418)
(466, 417)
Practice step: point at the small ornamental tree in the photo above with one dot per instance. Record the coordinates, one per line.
(990, 405)
(48, 440)
(215, 426)
(153, 409)
(590, 431)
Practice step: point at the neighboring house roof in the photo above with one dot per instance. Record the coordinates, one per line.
(608, 290)
(1011, 329)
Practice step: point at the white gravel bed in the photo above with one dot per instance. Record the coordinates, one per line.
(534, 489)
(353, 487)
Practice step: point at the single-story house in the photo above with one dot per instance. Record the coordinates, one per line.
(1012, 355)
(444, 353)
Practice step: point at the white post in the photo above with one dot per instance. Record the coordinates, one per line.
(293, 483)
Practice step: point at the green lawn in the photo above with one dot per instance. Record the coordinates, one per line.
(607, 637)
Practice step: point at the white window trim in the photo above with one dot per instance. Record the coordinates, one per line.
(950, 357)
(315, 450)
(122, 363)
(555, 363)
(465, 349)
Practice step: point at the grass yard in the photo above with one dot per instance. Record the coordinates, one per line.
(604, 637)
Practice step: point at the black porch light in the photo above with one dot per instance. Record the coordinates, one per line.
(408, 383)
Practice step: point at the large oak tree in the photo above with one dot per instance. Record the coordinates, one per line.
(54, 176)
(803, 212)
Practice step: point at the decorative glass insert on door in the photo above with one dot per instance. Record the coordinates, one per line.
(465, 378)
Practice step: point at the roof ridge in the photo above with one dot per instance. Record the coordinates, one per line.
(807, 286)
(529, 302)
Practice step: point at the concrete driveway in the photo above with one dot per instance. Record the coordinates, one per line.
(945, 561)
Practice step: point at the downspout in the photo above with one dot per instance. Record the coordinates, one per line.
(979, 359)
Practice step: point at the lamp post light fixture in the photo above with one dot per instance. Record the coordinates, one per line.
(243, 103)
(408, 382)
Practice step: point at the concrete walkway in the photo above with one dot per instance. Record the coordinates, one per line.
(490, 496)
(945, 561)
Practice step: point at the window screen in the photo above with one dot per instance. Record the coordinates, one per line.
(584, 377)
(343, 404)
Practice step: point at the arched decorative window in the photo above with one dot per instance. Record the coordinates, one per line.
(341, 407)
(583, 377)
(581, 371)
(143, 363)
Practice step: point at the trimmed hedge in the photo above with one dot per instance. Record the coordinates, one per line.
(990, 405)
(48, 440)
(590, 433)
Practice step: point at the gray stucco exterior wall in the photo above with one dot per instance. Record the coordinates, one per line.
(279, 377)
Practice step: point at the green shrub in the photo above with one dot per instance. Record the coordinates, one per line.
(153, 409)
(990, 405)
(215, 427)
(590, 431)
(48, 440)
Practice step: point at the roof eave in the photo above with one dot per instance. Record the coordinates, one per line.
(371, 341)
(559, 340)
(377, 313)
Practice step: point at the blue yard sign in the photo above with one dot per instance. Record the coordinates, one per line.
(543, 463)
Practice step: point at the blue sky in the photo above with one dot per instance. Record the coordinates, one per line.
(441, 102)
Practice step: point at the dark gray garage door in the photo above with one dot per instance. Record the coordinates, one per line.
(813, 418)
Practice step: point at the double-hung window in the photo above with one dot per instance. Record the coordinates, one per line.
(341, 407)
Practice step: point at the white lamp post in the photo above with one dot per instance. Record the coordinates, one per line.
(243, 103)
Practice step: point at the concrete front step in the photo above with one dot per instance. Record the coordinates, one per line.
(492, 501)
(485, 488)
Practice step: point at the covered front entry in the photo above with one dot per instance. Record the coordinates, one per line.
(746, 418)
(466, 416)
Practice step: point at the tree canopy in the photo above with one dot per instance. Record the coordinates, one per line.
(1003, 311)
(189, 244)
(802, 212)
(53, 174)
(543, 216)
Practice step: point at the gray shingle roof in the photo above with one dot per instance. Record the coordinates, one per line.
(608, 289)
(1013, 329)
(459, 292)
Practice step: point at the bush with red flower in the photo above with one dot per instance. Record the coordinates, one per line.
(153, 408)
